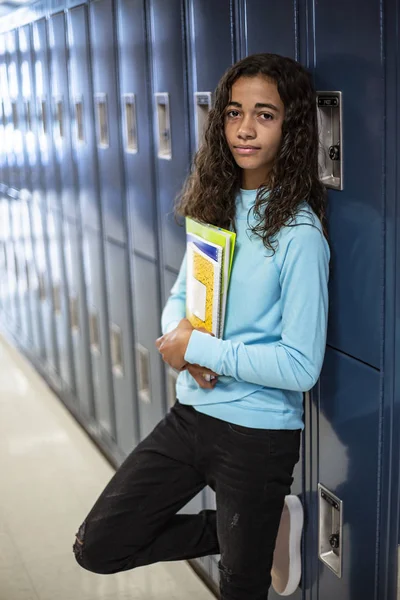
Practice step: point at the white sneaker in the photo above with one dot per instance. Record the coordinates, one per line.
(286, 567)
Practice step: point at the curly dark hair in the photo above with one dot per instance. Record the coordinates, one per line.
(210, 190)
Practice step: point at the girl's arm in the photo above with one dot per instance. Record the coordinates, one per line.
(294, 362)
(175, 308)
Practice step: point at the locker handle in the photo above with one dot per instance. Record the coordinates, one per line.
(172, 376)
(79, 129)
(28, 115)
(14, 112)
(42, 116)
(27, 275)
(73, 312)
(202, 107)
(94, 333)
(59, 117)
(116, 350)
(57, 299)
(143, 367)
(102, 121)
(163, 126)
(42, 287)
(130, 122)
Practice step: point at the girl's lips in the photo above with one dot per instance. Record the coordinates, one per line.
(246, 151)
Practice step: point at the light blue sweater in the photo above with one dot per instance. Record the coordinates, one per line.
(275, 328)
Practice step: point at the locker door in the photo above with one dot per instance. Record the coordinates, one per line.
(81, 100)
(268, 26)
(170, 120)
(136, 124)
(103, 48)
(25, 111)
(3, 83)
(34, 300)
(347, 425)
(61, 112)
(60, 298)
(13, 138)
(210, 54)
(121, 344)
(355, 217)
(44, 114)
(98, 335)
(148, 360)
(23, 293)
(79, 325)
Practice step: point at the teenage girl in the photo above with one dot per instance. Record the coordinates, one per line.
(257, 174)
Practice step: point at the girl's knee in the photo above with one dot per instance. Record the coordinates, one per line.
(93, 555)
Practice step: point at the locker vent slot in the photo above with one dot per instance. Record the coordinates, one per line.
(163, 126)
(131, 144)
(80, 134)
(202, 106)
(14, 109)
(102, 121)
(42, 117)
(116, 350)
(73, 313)
(94, 332)
(60, 118)
(28, 115)
(143, 359)
(172, 376)
(42, 287)
(57, 299)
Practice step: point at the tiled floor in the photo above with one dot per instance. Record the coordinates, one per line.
(51, 474)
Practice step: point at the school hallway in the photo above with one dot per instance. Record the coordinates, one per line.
(51, 474)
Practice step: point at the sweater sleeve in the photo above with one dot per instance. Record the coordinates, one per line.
(175, 307)
(293, 362)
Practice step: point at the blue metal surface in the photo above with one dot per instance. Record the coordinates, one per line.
(139, 167)
(80, 329)
(147, 330)
(60, 101)
(80, 91)
(355, 215)
(100, 355)
(103, 49)
(120, 315)
(168, 70)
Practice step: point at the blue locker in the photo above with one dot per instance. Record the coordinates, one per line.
(268, 26)
(355, 216)
(346, 419)
(23, 293)
(3, 83)
(61, 112)
(81, 101)
(79, 325)
(103, 48)
(170, 119)
(13, 141)
(136, 124)
(121, 345)
(98, 334)
(210, 50)
(34, 300)
(44, 114)
(149, 369)
(60, 299)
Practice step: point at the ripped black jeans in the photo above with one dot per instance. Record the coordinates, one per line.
(134, 521)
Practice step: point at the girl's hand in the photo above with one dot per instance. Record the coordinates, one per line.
(172, 346)
(198, 373)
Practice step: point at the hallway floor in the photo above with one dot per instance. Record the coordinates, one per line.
(51, 474)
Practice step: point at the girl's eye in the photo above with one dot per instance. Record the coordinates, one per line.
(266, 117)
(232, 113)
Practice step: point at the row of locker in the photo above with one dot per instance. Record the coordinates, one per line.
(150, 67)
(102, 108)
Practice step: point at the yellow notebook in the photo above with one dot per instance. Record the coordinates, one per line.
(209, 262)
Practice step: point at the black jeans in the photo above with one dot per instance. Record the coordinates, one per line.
(134, 521)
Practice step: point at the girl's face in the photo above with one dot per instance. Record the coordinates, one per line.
(253, 127)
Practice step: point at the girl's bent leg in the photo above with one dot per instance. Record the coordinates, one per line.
(250, 493)
(134, 521)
